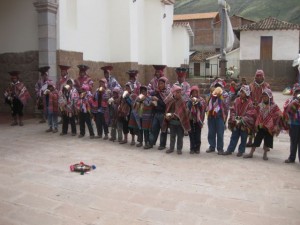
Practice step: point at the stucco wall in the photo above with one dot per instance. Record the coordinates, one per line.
(19, 29)
(285, 44)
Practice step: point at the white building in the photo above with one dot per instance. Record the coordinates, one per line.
(124, 33)
(271, 45)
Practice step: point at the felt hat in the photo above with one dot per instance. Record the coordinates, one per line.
(83, 68)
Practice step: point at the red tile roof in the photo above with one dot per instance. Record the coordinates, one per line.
(201, 56)
(196, 16)
(269, 23)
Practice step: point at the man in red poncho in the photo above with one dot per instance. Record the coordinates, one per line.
(177, 119)
(257, 87)
(241, 121)
(267, 123)
(17, 96)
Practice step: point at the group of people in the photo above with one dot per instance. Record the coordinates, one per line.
(148, 112)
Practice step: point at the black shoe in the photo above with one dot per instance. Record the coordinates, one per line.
(161, 148)
(221, 152)
(92, 137)
(55, 130)
(192, 151)
(73, 134)
(210, 150)
(179, 152)
(197, 151)
(289, 161)
(148, 146)
(140, 144)
(80, 136)
(227, 153)
(169, 151)
(62, 134)
(239, 154)
(49, 130)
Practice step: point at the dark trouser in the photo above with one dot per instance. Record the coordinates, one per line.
(263, 134)
(126, 129)
(66, 121)
(100, 123)
(16, 107)
(116, 128)
(143, 134)
(156, 128)
(216, 129)
(85, 118)
(236, 134)
(295, 142)
(195, 136)
(176, 130)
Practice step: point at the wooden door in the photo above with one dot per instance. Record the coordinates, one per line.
(266, 43)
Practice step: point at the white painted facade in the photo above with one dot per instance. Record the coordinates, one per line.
(233, 59)
(19, 26)
(285, 44)
(103, 30)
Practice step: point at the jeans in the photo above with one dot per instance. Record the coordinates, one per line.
(295, 142)
(236, 134)
(52, 120)
(156, 128)
(216, 129)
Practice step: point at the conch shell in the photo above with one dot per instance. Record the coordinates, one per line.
(217, 92)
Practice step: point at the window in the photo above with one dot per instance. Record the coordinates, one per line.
(266, 43)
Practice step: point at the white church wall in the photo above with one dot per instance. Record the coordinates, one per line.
(19, 26)
(84, 27)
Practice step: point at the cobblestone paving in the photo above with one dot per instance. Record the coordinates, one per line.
(135, 186)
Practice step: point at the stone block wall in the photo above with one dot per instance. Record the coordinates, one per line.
(27, 63)
(279, 74)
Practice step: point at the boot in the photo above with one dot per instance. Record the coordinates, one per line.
(148, 146)
(125, 139)
(249, 143)
(14, 122)
(21, 121)
(250, 155)
(105, 137)
(265, 156)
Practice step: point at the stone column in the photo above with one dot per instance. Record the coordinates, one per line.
(47, 10)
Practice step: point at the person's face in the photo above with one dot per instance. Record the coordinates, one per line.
(14, 79)
(132, 78)
(243, 95)
(51, 88)
(161, 85)
(180, 79)
(44, 77)
(296, 93)
(127, 88)
(106, 74)
(71, 84)
(177, 94)
(259, 78)
(144, 92)
(82, 73)
(115, 94)
(194, 93)
(244, 82)
(101, 84)
(63, 73)
(157, 74)
(265, 98)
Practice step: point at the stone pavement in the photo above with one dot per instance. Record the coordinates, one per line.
(135, 186)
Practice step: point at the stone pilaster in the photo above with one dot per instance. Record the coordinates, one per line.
(47, 11)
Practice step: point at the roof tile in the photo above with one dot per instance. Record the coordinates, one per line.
(269, 23)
